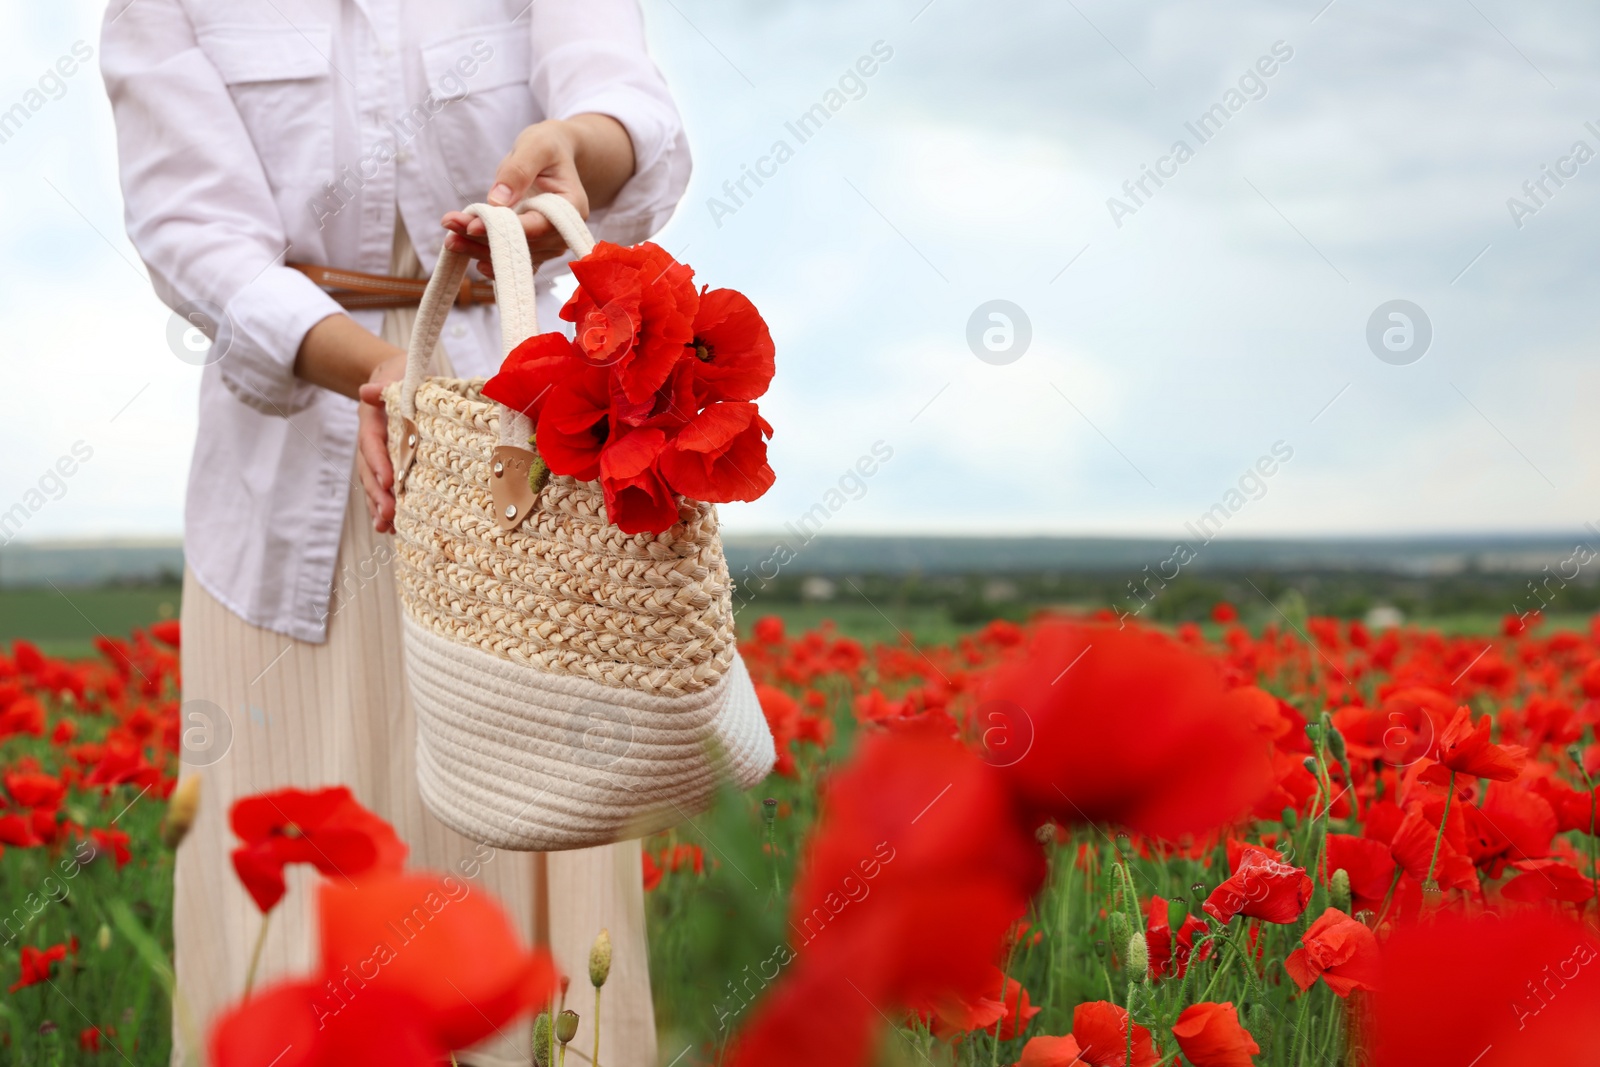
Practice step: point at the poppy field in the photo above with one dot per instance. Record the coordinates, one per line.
(1063, 842)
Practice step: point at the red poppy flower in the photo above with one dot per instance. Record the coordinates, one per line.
(89, 1039)
(1575, 809)
(1367, 863)
(1543, 880)
(782, 712)
(1261, 888)
(575, 424)
(1466, 749)
(1169, 954)
(18, 831)
(1414, 844)
(411, 967)
(1211, 1035)
(652, 872)
(1101, 1029)
(1488, 990)
(531, 370)
(1008, 1014)
(720, 455)
(1513, 824)
(634, 310)
(1051, 1052)
(732, 348)
(1339, 950)
(33, 790)
(637, 500)
(1224, 612)
(22, 715)
(113, 841)
(1129, 728)
(326, 829)
(36, 963)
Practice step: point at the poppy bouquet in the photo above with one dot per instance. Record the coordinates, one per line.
(655, 395)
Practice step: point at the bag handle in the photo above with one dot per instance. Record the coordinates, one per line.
(514, 292)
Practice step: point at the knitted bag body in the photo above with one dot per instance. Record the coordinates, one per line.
(574, 685)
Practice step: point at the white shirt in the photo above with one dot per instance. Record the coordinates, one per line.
(253, 133)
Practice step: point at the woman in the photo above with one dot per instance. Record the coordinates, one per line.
(257, 138)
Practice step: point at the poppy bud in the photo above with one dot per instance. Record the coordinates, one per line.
(1311, 764)
(1340, 889)
(769, 810)
(541, 1039)
(181, 810)
(566, 1026)
(103, 938)
(1336, 744)
(600, 959)
(1120, 930)
(1291, 818)
(1138, 954)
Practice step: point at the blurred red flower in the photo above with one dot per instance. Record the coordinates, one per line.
(1130, 728)
(35, 964)
(411, 967)
(326, 829)
(1489, 990)
(916, 834)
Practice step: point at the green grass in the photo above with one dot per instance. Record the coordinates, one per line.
(64, 621)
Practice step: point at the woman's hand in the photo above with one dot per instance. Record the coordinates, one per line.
(586, 159)
(372, 444)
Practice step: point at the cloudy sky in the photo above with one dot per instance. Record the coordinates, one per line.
(1175, 337)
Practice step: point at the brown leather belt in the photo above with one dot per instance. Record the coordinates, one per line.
(353, 289)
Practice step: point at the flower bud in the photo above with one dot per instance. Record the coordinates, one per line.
(1120, 929)
(1291, 818)
(103, 938)
(769, 810)
(1336, 744)
(1311, 765)
(182, 807)
(600, 959)
(1138, 954)
(1340, 890)
(541, 1039)
(566, 1026)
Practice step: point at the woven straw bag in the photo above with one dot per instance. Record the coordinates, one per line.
(574, 685)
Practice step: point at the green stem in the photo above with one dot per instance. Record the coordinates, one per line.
(595, 1058)
(255, 956)
(1438, 842)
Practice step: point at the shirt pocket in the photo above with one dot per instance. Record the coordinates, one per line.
(280, 78)
(481, 77)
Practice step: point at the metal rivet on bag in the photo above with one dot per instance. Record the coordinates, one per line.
(499, 469)
(511, 511)
(411, 440)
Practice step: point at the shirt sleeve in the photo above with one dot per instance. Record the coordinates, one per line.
(591, 57)
(198, 207)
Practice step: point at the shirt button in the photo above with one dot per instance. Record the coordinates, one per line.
(402, 156)
(458, 331)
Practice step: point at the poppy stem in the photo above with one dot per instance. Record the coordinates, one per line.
(594, 1056)
(255, 955)
(1438, 842)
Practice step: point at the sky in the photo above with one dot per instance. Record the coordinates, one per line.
(1159, 350)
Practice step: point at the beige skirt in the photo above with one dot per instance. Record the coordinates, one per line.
(338, 713)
